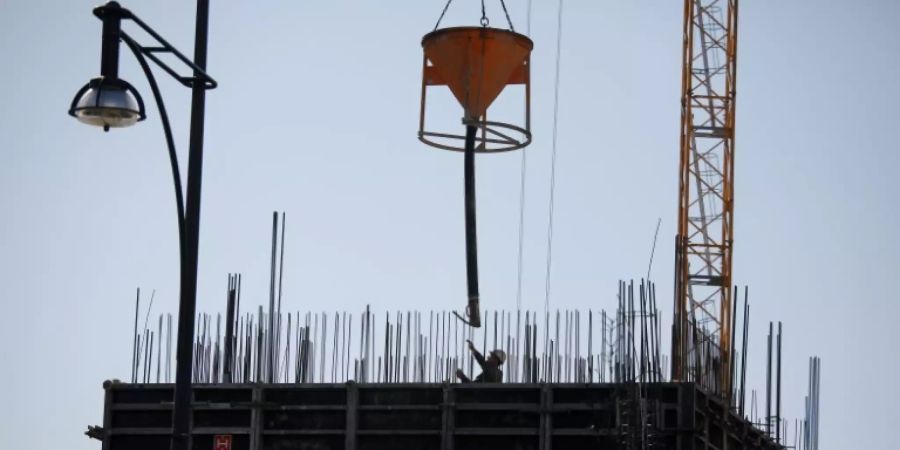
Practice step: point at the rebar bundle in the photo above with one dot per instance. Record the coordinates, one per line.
(563, 346)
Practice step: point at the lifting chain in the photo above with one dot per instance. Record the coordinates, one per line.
(508, 20)
(485, 22)
(442, 15)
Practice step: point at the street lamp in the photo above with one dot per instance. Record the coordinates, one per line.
(110, 102)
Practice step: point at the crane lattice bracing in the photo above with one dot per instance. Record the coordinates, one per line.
(702, 333)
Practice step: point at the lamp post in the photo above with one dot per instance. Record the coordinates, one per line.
(111, 102)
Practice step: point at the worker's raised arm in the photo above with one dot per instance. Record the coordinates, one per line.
(478, 356)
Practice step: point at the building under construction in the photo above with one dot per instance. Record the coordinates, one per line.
(272, 379)
(572, 379)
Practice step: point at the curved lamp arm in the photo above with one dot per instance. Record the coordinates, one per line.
(167, 129)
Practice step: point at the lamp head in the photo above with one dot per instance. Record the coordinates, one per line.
(108, 103)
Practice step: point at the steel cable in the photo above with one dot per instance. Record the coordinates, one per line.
(553, 158)
(522, 177)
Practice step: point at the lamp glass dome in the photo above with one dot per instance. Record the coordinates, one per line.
(108, 103)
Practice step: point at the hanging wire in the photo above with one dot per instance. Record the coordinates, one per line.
(553, 159)
(442, 15)
(653, 249)
(149, 308)
(484, 18)
(529, 19)
(522, 203)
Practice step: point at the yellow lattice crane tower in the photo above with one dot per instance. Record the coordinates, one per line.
(702, 332)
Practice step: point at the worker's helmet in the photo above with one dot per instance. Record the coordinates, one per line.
(500, 355)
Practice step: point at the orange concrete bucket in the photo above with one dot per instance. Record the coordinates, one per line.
(476, 63)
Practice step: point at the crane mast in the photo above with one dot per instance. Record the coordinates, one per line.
(702, 327)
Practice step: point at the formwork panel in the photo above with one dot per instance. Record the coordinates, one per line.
(399, 442)
(495, 442)
(300, 442)
(392, 419)
(278, 419)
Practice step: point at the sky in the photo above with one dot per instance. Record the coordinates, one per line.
(316, 115)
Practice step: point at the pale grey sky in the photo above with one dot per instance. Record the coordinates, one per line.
(316, 115)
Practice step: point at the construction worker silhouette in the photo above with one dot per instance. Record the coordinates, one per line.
(490, 367)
